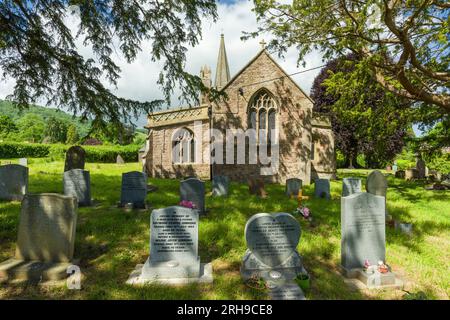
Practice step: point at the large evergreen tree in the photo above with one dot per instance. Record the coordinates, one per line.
(38, 50)
(369, 121)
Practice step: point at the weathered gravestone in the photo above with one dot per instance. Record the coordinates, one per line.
(173, 249)
(256, 186)
(272, 241)
(322, 188)
(363, 238)
(134, 189)
(376, 183)
(421, 169)
(13, 182)
(23, 162)
(293, 186)
(193, 190)
(77, 183)
(119, 159)
(75, 158)
(351, 186)
(46, 238)
(220, 185)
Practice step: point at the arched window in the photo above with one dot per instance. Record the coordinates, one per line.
(183, 146)
(262, 113)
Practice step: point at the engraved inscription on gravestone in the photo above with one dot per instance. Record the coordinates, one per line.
(350, 186)
(77, 183)
(362, 229)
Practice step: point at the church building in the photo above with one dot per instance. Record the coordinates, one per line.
(260, 97)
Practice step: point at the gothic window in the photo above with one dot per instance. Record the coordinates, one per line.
(183, 146)
(262, 113)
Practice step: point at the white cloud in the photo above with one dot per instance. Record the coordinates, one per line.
(138, 79)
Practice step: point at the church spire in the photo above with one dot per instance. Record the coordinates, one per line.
(222, 70)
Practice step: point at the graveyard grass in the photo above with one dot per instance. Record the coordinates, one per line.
(110, 242)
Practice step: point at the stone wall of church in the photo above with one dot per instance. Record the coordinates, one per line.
(159, 162)
(293, 120)
(323, 164)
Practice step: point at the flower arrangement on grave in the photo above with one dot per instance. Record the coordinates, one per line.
(304, 211)
(382, 268)
(256, 282)
(187, 204)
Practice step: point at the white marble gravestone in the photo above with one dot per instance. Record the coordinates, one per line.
(350, 186)
(46, 238)
(13, 182)
(173, 249)
(77, 183)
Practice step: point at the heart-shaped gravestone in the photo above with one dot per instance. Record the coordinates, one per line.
(272, 238)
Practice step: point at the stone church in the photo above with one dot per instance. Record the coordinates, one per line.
(261, 96)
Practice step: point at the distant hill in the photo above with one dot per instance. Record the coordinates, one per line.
(6, 108)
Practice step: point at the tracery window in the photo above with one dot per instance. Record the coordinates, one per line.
(183, 146)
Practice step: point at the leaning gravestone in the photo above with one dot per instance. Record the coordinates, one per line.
(46, 238)
(363, 238)
(119, 159)
(220, 185)
(23, 162)
(272, 241)
(77, 183)
(293, 186)
(351, 186)
(322, 188)
(13, 182)
(173, 249)
(193, 190)
(75, 158)
(134, 189)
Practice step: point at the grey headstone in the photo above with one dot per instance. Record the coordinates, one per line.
(193, 190)
(77, 183)
(220, 185)
(134, 189)
(173, 244)
(75, 158)
(421, 169)
(293, 186)
(286, 291)
(47, 228)
(119, 159)
(376, 183)
(351, 186)
(23, 162)
(362, 230)
(272, 241)
(322, 188)
(13, 182)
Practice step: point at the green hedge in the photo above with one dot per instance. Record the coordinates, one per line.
(105, 154)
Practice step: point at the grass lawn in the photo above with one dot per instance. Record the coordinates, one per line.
(110, 242)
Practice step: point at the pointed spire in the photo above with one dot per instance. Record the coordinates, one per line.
(222, 70)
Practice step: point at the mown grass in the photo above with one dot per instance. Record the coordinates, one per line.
(110, 242)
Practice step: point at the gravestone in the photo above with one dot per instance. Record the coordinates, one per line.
(293, 186)
(272, 241)
(134, 189)
(193, 190)
(376, 183)
(220, 185)
(351, 186)
(363, 237)
(411, 174)
(322, 188)
(46, 238)
(77, 183)
(13, 182)
(173, 249)
(256, 187)
(421, 169)
(119, 159)
(75, 158)
(23, 162)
